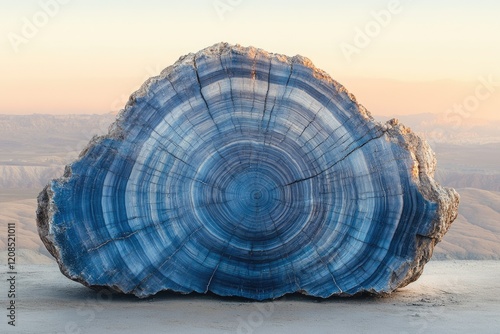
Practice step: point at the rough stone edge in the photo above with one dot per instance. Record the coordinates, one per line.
(447, 199)
(423, 156)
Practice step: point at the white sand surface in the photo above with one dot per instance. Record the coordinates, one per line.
(450, 297)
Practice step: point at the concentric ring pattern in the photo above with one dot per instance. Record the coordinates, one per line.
(243, 173)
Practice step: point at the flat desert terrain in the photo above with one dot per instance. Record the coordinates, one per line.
(450, 297)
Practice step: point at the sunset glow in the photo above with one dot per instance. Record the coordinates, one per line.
(397, 57)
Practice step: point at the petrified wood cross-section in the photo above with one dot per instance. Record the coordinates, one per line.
(251, 174)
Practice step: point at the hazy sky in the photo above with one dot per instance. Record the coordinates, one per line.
(396, 56)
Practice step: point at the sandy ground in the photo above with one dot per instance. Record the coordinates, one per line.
(450, 297)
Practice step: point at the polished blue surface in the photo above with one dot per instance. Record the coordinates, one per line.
(245, 174)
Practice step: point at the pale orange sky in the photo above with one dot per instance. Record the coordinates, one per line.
(89, 57)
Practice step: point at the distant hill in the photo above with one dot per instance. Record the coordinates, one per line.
(22, 213)
(469, 166)
(47, 140)
(475, 235)
(35, 148)
(467, 149)
(450, 128)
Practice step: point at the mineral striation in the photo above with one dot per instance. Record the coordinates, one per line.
(247, 173)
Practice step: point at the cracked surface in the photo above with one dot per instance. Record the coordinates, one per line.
(251, 174)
